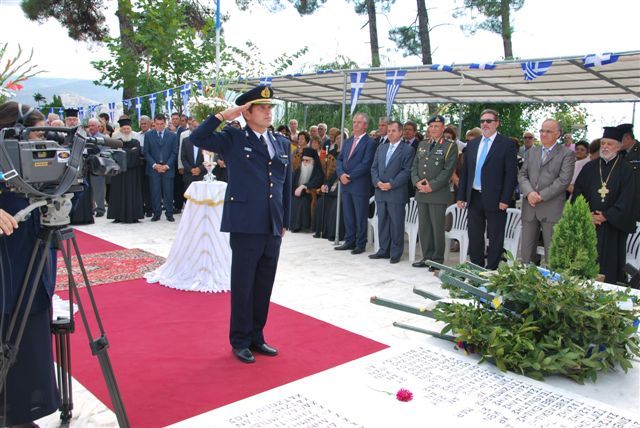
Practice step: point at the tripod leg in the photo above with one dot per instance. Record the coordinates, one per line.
(61, 328)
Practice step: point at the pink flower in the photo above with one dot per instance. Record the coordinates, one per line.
(404, 394)
(13, 86)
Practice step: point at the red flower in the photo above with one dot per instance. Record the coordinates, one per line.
(13, 86)
(404, 394)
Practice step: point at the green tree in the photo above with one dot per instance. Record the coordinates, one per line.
(55, 102)
(414, 39)
(39, 99)
(497, 18)
(573, 249)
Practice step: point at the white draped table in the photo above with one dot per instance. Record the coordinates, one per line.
(200, 257)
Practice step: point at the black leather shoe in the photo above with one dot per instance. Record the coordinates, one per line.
(378, 256)
(155, 218)
(99, 214)
(394, 260)
(345, 247)
(420, 264)
(265, 349)
(357, 250)
(171, 219)
(244, 355)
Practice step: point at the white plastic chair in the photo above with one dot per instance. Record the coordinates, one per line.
(372, 235)
(512, 231)
(458, 231)
(633, 248)
(411, 227)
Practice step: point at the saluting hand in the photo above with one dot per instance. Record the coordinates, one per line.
(233, 112)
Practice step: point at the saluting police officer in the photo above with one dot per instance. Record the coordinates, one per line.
(631, 153)
(432, 168)
(256, 211)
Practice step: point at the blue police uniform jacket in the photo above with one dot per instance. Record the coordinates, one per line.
(258, 193)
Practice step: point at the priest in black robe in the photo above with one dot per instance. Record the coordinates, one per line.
(325, 217)
(306, 179)
(608, 186)
(125, 198)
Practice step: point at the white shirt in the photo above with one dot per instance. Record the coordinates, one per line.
(267, 138)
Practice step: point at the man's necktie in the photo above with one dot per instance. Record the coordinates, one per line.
(477, 180)
(353, 146)
(264, 141)
(389, 153)
(545, 154)
(160, 135)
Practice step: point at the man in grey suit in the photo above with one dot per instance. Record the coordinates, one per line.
(191, 159)
(390, 173)
(544, 177)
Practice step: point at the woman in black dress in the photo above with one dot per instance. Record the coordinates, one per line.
(125, 197)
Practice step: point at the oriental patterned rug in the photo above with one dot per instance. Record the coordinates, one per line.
(110, 266)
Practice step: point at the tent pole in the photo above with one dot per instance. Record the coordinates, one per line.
(339, 200)
(306, 108)
(633, 115)
(460, 119)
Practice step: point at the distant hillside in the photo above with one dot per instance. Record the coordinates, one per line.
(72, 91)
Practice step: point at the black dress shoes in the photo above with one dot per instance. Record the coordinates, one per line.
(378, 256)
(155, 218)
(265, 349)
(345, 247)
(244, 355)
(171, 219)
(357, 250)
(394, 260)
(420, 264)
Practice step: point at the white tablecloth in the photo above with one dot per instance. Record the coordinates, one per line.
(200, 258)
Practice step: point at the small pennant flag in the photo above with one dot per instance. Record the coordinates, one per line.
(266, 81)
(168, 99)
(483, 66)
(152, 104)
(325, 71)
(138, 108)
(442, 67)
(535, 69)
(199, 84)
(597, 60)
(112, 111)
(80, 113)
(357, 84)
(52, 110)
(126, 104)
(394, 80)
(60, 111)
(185, 92)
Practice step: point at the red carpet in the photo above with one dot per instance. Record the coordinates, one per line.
(171, 356)
(90, 244)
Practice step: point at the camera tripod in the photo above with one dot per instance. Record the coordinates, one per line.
(63, 238)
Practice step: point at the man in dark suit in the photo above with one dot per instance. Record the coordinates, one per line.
(256, 211)
(487, 181)
(192, 159)
(160, 152)
(390, 173)
(354, 171)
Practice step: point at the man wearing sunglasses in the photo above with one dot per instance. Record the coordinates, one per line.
(488, 178)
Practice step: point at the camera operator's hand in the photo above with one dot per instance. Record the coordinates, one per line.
(7, 223)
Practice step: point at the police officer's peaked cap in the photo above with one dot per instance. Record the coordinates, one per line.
(613, 133)
(258, 95)
(436, 118)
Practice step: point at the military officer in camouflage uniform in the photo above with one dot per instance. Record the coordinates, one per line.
(631, 153)
(432, 168)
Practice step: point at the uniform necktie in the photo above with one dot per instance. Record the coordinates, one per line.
(477, 180)
(389, 153)
(433, 143)
(264, 141)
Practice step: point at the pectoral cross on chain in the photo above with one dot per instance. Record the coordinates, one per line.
(603, 191)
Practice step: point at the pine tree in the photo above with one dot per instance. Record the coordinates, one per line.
(573, 249)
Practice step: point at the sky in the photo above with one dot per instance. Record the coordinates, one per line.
(543, 28)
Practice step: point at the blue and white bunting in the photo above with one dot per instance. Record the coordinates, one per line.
(266, 81)
(185, 92)
(199, 85)
(535, 69)
(80, 113)
(138, 108)
(52, 110)
(357, 84)
(597, 60)
(394, 81)
(152, 104)
(126, 104)
(112, 111)
(442, 67)
(483, 66)
(60, 112)
(168, 100)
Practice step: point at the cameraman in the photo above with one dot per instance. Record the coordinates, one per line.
(30, 388)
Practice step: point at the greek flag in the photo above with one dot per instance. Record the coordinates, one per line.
(266, 81)
(168, 99)
(112, 110)
(597, 60)
(199, 85)
(185, 91)
(126, 104)
(442, 67)
(61, 112)
(394, 80)
(534, 69)
(52, 110)
(325, 71)
(357, 84)
(80, 113)
(483, 66)
(152, 104)
(138, 108)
